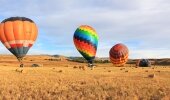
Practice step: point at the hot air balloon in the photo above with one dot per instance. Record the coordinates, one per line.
(143, 63)
(18, 34)
(86, 40)
(119, 54)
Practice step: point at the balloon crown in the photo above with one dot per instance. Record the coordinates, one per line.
(17, 18)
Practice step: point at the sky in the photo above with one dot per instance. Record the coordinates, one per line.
(142, 25)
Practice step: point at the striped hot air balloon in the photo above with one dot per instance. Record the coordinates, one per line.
(18, 34)
(119, 54)
(86, 40)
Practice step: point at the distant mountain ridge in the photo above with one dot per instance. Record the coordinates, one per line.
(161, 61)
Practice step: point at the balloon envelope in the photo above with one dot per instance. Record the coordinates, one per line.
(86, 40)
(143, 63)
(18, 34)
(119, 54)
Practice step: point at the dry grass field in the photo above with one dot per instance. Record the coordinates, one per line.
(64, 80)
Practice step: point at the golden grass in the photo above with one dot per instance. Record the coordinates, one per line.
(59, 80)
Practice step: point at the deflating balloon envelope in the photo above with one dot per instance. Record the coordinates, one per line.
(18, 34)
(86, 40)
(143, 63)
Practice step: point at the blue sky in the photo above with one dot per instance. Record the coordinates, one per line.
(142, 25)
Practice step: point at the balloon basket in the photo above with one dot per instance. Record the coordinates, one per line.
(91, 66)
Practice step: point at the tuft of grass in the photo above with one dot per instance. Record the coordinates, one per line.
(19, 70)
(146, 71)
(151, 76)
(109, 71)
(122, 68)
(75, 67)
(82, 67)
(60, 71)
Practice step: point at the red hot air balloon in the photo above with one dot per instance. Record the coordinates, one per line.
(18, 34)
(119, 54)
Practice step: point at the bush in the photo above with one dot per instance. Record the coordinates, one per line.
(36, 65)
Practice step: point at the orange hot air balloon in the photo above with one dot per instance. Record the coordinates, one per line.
(119, 54)
(18, 34)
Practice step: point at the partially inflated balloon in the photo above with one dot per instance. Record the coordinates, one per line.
(18, 34)
(86, 41)
(143, 63)
(119, 54)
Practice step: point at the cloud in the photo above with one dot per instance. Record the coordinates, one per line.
(143, 25)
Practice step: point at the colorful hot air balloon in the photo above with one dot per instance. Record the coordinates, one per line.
(86, 41)
(119, 54)
(143, 63)
(18, 34)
